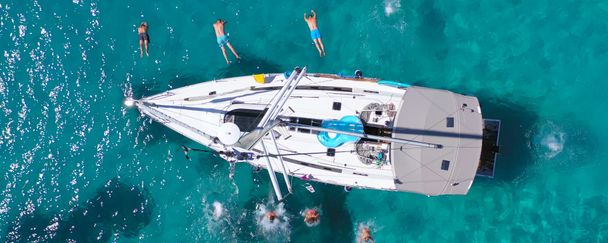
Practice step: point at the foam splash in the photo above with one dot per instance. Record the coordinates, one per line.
(554, 143)
(391, 6)
(22, 30)
(218, 210)
(217, 217)
(273, 230)
(549, 140)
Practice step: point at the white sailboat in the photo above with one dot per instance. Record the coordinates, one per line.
(351, 131)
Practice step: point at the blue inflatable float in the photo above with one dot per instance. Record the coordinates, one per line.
(347, 124)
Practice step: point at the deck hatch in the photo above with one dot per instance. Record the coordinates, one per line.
(450, 122)
(337, 106)
(445, 165)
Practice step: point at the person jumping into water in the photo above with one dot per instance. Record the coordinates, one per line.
(144, 38)
(365, 236)
(222, 39)
(271, 216)
(314, 32)
(311, 216)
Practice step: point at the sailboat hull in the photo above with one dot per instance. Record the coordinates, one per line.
(198, 111)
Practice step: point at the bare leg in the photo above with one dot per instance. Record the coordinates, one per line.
(321, 44)
(224, 52)
(141, 48)
(233, 51)
(146, 44)
(318, 48)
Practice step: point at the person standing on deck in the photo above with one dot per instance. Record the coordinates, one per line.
(222, 39)
(144, 38)
(314, 32)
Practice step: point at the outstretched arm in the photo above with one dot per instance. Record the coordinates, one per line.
(314, 15)
(304, 16)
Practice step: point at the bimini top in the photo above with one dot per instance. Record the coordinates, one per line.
(439, 117)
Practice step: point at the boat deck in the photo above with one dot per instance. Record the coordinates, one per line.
(198, 112)
(319, 97)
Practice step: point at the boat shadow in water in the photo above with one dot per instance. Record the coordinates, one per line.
(530, 142)
(514, 156)
(115, 208)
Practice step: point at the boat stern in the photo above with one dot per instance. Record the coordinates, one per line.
(451, 121)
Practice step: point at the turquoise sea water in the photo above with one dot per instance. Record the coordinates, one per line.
(76, 164)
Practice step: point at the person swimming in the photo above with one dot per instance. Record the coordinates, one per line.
(365, 236)
(271, 216)
(144, 38)
(311, 216)
(272, 222)
(218, 210)
(314, 32)
(222, 39)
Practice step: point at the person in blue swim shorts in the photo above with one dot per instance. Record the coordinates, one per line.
(222, 39)
(314, 32)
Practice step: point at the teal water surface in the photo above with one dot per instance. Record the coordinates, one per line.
(76, 164)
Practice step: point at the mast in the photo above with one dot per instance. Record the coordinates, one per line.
(268, 121)
(283, 99)
(285, 176)
(273, 176)
(363, 135)
(273, 104)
